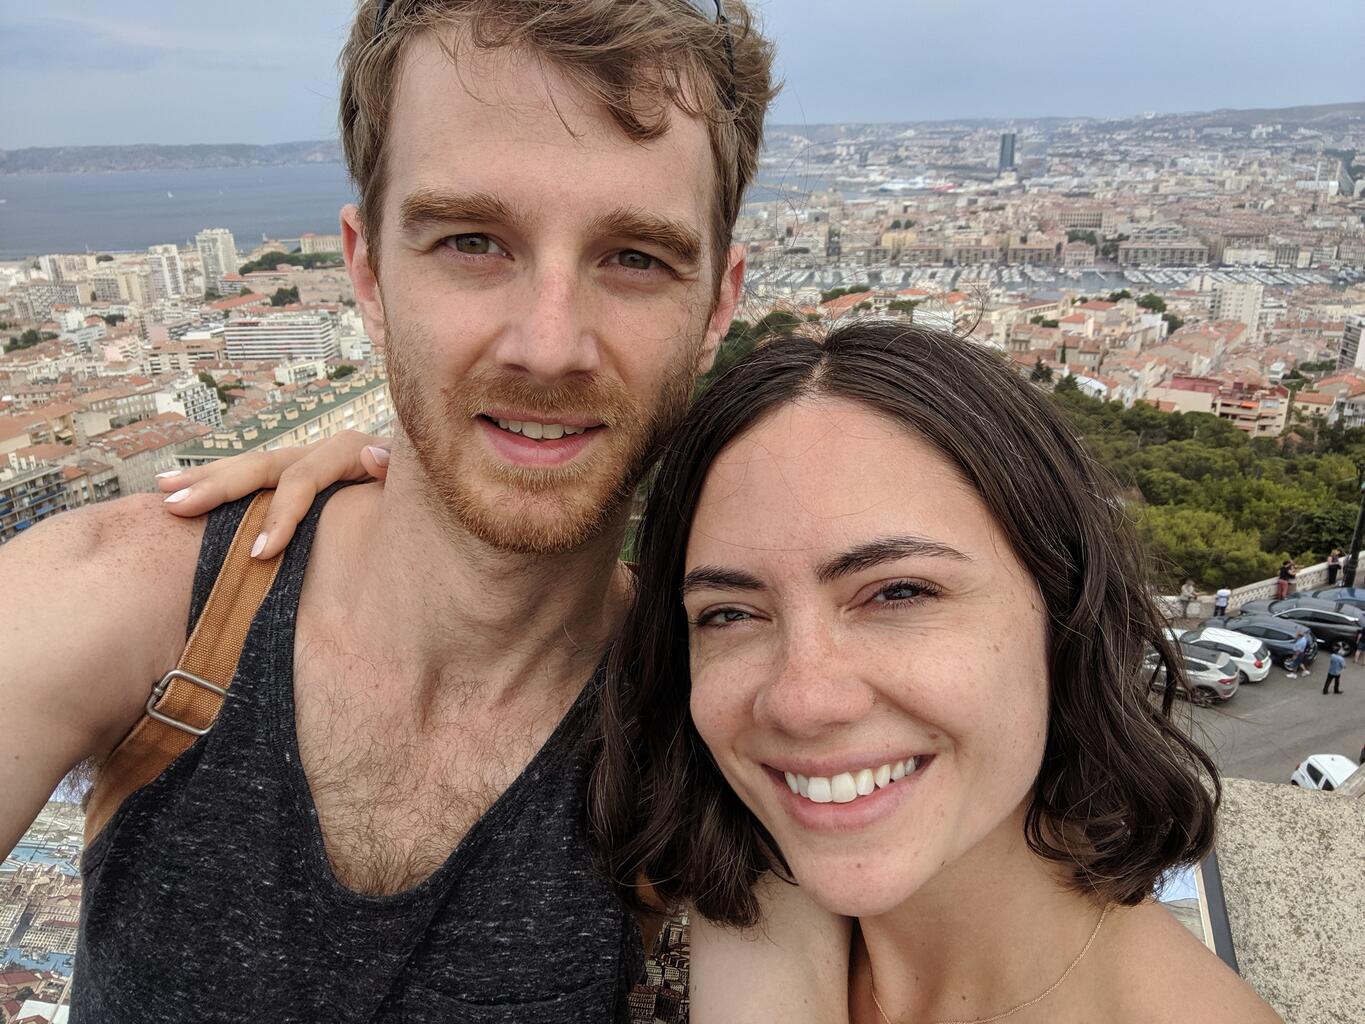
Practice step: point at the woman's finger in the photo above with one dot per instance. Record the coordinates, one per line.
(203, 488)
(375, 458)
(336, 459)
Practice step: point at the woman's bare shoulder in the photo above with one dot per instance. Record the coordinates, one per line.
(1162, 974)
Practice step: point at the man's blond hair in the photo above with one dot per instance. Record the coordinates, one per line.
(637, 58)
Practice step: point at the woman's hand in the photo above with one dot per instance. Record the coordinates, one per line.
(297, 474)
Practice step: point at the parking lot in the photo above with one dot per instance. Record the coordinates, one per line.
(1269, 727)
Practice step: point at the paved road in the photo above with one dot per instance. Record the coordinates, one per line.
(1270, 726)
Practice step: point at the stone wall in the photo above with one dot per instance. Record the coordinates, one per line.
(1293, 868)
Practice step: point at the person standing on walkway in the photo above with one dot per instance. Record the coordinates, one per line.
(1300, 651)
(1189, 599)
(1333, 566)
(1334, 666)
(1220, 601)
(1285, 580)
(1357, 652)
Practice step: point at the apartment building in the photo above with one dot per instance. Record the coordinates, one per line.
(321, 410)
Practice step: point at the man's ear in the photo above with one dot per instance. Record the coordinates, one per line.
(727, 301)
(364, 276)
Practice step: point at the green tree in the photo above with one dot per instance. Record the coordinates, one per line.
(114, 319)
(1120, 296)
(308, 260)
(1173, 322)
(1082, 236)
(1041, 372)
(835, 293)
(340, 372)
(285, 296)
(1153, 302)
(902, 306)
(1068, 383)
(104, 257)
(211, 295)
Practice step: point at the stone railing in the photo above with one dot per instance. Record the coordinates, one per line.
(1309, 577)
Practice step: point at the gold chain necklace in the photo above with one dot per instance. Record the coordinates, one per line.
(1022, 1006)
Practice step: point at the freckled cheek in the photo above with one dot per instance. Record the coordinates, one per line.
(721, 703)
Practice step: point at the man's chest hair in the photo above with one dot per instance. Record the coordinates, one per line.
(395, 788)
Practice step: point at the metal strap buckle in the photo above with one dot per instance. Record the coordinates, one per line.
(160, 691)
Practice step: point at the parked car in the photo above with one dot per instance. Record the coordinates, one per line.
(1323, 771)
(1277, 634)
(1354, 596)
(1212, 675)
(1250, 655)
(1331, 622)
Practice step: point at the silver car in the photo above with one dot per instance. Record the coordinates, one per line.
(1211, 675)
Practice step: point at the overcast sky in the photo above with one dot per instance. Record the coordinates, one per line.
(73, 72)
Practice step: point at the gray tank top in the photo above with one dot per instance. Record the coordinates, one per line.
(208, 896)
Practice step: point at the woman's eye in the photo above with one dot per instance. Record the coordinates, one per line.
(634, 260)
(721, 617)
(473, 245)
(903, 590)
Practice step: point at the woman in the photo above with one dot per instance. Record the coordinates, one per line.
(1333, 566)
(888, 642)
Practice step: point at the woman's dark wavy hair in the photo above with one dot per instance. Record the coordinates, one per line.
(1123, 794)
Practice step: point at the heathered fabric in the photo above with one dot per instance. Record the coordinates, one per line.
(209, 898)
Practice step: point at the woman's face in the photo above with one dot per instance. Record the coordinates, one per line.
(861, 629)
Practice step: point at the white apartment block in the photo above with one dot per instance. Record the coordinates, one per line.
(286, 337)
(323, 409)
(311, 243)
(167, 273)
(1352, 352)
(217, 256)
(1239, 302)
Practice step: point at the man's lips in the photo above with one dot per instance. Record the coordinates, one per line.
(542, 452)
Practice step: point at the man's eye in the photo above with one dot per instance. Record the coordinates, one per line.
(633, 260)
(473, 244)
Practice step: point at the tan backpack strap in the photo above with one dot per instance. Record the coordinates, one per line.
(185, 703)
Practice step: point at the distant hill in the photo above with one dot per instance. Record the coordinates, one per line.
(82, 159)
(328, 151)
(1320, 116)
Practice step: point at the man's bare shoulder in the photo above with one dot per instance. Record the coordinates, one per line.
(1170, 977)
(98, 594)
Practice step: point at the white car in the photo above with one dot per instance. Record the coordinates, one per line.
(1248, 653)
(1323, 771)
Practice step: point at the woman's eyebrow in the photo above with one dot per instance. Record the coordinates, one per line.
(716, 577)
(884, 549)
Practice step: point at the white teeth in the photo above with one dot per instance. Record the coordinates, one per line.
(865, 781)
(849, 786)
(843, 789)
(539, 431)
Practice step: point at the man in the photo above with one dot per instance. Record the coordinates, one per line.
(1334, 666)
(1296, 660)
(1220, 601)
(385, 821)
(1285, 580)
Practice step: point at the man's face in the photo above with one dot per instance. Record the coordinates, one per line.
(545, 293)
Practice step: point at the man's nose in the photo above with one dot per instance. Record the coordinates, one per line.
(554, 336)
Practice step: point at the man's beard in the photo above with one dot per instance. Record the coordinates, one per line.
(526, 509)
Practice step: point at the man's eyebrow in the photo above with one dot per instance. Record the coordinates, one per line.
(716, 577)
(424, 207)
(884, 549)
(639, 226)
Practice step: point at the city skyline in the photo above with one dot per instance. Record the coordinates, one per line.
(891, 62)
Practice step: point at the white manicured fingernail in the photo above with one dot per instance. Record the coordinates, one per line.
(179, 495)
(380, 455)
(258, 547)
(169, 472)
